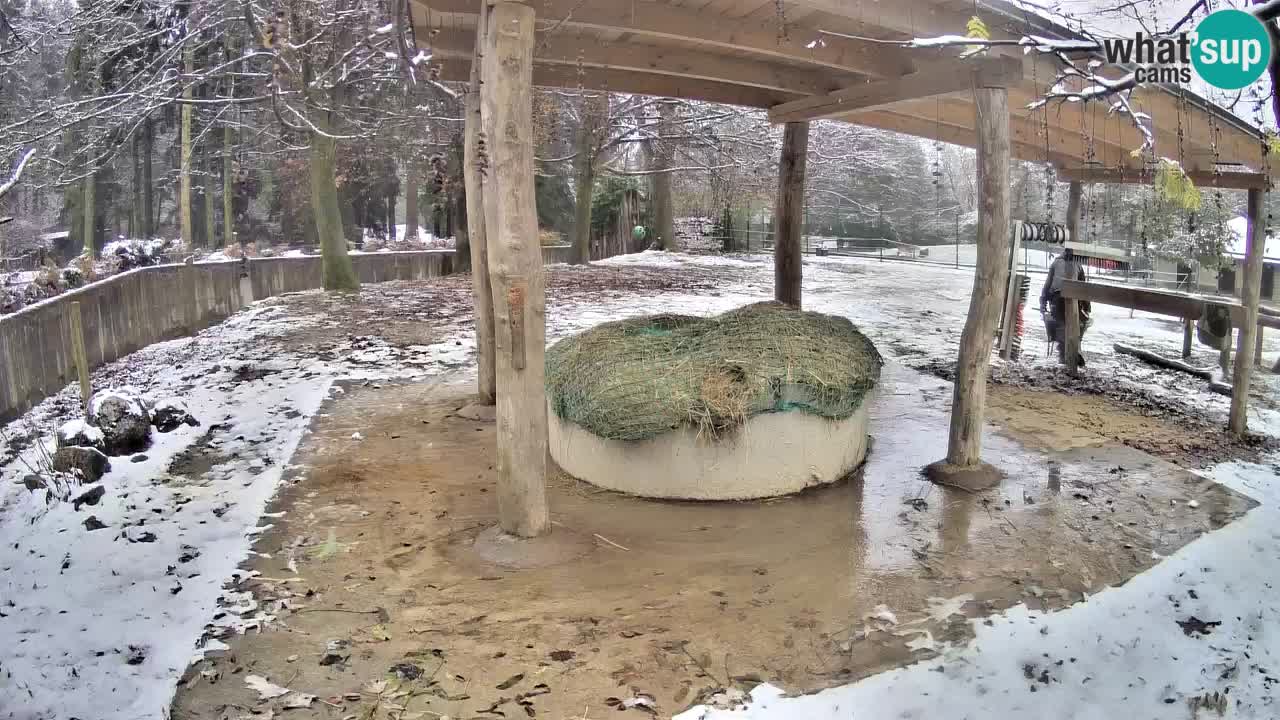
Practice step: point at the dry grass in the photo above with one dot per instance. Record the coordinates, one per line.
(639, 378)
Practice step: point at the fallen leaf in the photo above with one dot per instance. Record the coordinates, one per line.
(511, 681)
(296, 700)
(265, 688)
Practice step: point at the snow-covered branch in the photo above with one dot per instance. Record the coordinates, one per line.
(16, 175)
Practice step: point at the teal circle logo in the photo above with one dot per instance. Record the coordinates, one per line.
(1231, 49)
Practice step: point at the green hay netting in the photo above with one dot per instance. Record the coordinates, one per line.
(639, 378)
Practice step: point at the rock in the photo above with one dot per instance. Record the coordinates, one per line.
(171, 413)
(90, 462)
(140, 457)
(89, 497)
(92, 523)
(78, 433)
(34, 482)
(124, 421)
(334, 653)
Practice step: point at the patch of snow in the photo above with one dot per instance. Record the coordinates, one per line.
(78, 427)
(135, 404)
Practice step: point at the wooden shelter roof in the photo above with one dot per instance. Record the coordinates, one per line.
(747, 52)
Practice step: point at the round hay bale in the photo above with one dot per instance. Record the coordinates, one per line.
(760, 401)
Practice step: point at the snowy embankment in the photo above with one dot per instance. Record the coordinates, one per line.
(100, 617)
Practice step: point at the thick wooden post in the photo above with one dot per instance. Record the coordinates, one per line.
(970, 393)
(788, 214)
(1188, 329)
(515, 269)
(1071, 307)
(1257, 348)
(1249, 292)
(471, 170)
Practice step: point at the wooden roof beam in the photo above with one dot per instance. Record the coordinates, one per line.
(929, 118)
(660, 20)
(630, 81)
(928, 82)
(665, 60)
(950, 133)
(1233, 180)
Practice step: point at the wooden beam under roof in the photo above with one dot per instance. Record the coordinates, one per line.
(928, 82)
(661, 60)
(931, 118)
(660, 20)
(630, 81)
(1233, 180)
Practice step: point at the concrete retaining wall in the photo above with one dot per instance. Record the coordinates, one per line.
(127, 312)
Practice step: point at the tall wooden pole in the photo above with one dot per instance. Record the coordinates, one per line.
(970, 393)
(515, 269)
(1249, 293)
(1071, 306)
(788, 214)
(472, 180)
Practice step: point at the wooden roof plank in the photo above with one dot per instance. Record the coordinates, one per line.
(666, 60)
(929, 82)
(1233, 180)
(659, 20)
(630, 81)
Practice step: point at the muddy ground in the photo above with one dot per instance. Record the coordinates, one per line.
(672, 601)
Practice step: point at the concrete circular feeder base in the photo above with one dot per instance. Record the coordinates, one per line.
(771, 454)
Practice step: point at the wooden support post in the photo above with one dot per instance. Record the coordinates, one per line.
(1249, 293)
(1071, 306)
(515, 269)
(969, 396)
(1188, 330)
(480, 290)
(79, 355)
(788, 214)
(1257, 348)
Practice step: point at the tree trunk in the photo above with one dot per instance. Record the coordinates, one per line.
(135, 197)
(90, 210)
(663, 212)
(970, 392)
(148, 149)
(339, 274)
(511, 221)
(583, 183)
(184, 166)
(391, 217)
(1249, 292)
(788, 214)
(410, 201)
(210, 226)
(228, 186)
(472, 159)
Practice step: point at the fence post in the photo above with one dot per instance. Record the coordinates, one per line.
(80, 356)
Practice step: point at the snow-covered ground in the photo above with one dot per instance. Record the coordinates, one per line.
(102, 623)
